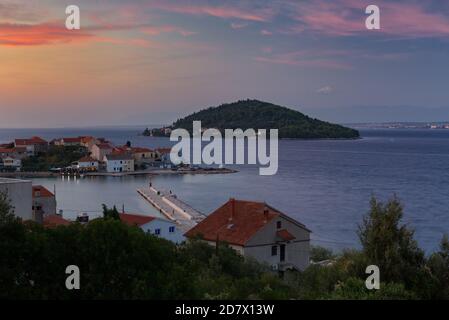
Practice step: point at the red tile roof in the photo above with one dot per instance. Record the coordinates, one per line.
(285, 235)
(140, 150)
(87, 139)
(235, 222)
(104, 145)
(44, 192)
(31, 141)
(54, 220)
(135, 219)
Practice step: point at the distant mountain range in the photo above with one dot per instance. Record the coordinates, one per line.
(255, 114)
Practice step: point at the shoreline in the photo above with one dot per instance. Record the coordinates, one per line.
(121, 174)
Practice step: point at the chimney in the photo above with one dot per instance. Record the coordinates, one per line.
(232, 209)
(265, 214)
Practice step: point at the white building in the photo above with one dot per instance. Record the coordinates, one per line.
(19, 192)
(12, 163)
(115, 163)
(156, 226)
(86, 164)
(257, 230)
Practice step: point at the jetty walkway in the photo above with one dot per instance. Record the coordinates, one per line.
(174, 209)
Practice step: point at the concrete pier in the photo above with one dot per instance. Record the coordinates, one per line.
(172, 208)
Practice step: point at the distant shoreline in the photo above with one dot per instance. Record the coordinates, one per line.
(121, 174)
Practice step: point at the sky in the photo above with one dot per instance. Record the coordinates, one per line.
(140, 62)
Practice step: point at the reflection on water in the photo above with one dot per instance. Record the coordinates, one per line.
(324, 184)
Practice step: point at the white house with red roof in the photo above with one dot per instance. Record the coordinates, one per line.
(119, 162)
(100, 150)
(257, 230)
(156, 226)
(44, 202)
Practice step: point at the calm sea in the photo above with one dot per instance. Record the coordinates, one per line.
(325, 184)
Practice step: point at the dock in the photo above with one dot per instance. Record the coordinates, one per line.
(174, 209)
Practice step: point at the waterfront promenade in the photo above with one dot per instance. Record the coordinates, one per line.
(172, 208)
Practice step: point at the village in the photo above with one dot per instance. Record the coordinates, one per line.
(98, 155)
(87, 155)
(253, 229)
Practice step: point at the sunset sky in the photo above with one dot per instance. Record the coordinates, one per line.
(150, 62)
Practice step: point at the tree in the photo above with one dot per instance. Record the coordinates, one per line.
(390, 245)
(439, 266)
(318, 253)
(110, 213)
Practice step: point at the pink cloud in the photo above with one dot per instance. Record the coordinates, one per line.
(347, 17)
(39, 34)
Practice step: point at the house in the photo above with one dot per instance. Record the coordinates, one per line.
(71, 142)
(32, 145)
(100, 150)
(140, 154)
(44, 202)
(119, 162)
(86, 164)
(54, 220)
(19, 193)
(257, 230)
(11, 163)
(87, 142)
(19, 152)
(156, 226)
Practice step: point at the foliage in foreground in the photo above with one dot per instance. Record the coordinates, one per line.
(405, 272)
(121, 262)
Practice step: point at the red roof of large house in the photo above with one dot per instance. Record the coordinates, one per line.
(135, 219)
(41, 192)
(237, 221)
(31, 141)
(54, 220)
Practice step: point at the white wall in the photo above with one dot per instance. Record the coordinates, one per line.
(297, 251)
(164, 225)
(20, 194)
(115, 165)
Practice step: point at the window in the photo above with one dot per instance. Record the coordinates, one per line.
(171, 229)
(157, 231)
(279, 224)
(274, 250)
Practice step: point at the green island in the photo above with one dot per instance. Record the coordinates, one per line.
(255, 114)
